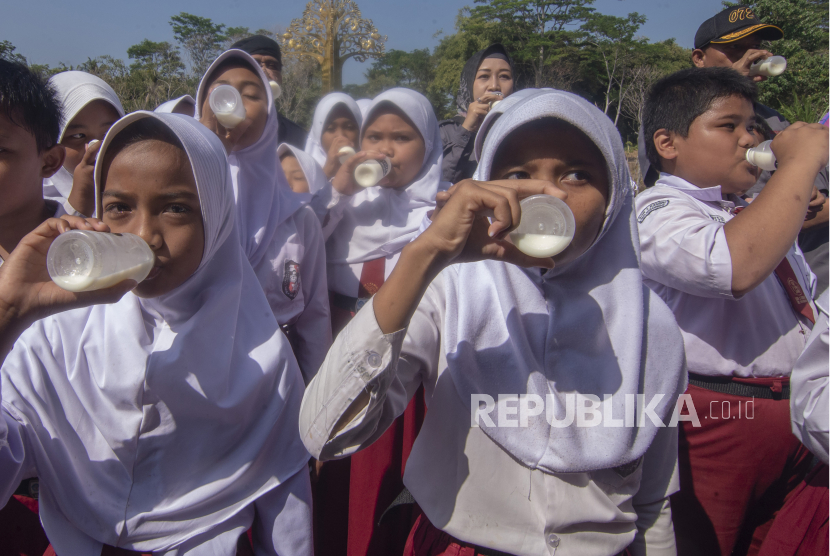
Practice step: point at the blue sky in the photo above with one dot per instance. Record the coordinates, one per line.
(53, 31)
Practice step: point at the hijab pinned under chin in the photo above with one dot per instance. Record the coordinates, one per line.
(586, 328)
(380, 221)
(154, 420)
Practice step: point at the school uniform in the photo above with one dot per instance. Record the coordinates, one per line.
(150, 430)
(493, 328)
(280, 235)
(365, 235)
(801, 526)
(734, 466)
(75, 90)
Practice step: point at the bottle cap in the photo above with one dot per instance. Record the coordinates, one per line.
(345, 153)
(547, 226)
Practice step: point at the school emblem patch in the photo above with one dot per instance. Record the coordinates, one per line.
(291, 279)
(657, 205)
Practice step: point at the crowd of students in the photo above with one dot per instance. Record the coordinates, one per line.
(303, 369)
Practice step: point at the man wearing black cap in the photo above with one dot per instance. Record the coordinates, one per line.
(266, 51)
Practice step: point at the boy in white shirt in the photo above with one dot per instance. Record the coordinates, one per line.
(740, 291)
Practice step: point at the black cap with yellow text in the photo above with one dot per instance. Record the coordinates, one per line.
(733, 24)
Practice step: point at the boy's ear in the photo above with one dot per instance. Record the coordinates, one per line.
(52, 160)
(664, 144)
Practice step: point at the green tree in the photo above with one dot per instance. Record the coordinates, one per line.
(201, 39)
(805, 45)
(397, 68)
(614, 43)
(157, 70)
(7, 52)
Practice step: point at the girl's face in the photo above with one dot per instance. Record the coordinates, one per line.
(92, 122)
(558, 152)
(254, 98)
(340, 123)
(150, 191)
(391, 133)
(294, 173)
(493, 75)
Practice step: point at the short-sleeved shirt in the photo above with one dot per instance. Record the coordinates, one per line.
(686, 261)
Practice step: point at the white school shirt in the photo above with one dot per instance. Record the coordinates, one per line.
(810, 388)
(298, 252)
(686, 261)
(329, 205)
(464, 482)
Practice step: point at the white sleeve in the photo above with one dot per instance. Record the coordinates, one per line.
(15, 458)
(681, 247)
(328, 204)
(313, 326)
(388, 367)
(809, 393)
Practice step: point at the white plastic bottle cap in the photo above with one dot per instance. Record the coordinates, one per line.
(82, 260)
(276, 90)
(369, 173)
(762, 157)
(226, 103)
(770, 67)
(345, 153)
(547, 226)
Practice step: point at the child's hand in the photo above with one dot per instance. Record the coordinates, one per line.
(27, 291)
(333, 158)
(461, 231)
(229, 137)
(804, 144)
(82, 197)
(343, 181)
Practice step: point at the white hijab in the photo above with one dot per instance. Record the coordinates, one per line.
(169, 106)
(153, 420)
(586, 327)
(314, 174)
(380, 221)
(263, 198)
(314, 143)
(75, 89)
(364, 104)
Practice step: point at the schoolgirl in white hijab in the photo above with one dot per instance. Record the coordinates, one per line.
(183, 105)
(163, 424)
(75, 91)
(314, 143)
(280, 235)
(488, 329)
(378, 222)
(313, 174)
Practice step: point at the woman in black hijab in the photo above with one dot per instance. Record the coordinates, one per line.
(487, 78)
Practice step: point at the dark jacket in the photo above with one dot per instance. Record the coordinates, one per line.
(290, 133)
(459, 159)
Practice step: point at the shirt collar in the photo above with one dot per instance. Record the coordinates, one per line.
(709, 194)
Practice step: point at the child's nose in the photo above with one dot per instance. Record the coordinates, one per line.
(150, 233)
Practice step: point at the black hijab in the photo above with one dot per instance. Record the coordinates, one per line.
(468, 74)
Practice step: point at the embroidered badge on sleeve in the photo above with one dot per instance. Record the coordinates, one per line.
(657, 205)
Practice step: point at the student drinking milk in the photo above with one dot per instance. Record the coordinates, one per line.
(167, 421)
(366, 229)
(89, 107)
(484, 328)
(335, 124)
(280, 235)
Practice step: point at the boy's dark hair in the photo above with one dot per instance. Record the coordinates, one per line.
(30, 103)
(675, 101)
